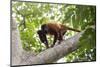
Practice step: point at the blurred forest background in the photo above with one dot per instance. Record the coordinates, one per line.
(30, 16)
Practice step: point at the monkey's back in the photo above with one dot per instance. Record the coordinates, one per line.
(56, 27)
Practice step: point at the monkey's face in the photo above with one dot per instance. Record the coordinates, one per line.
(44, 28)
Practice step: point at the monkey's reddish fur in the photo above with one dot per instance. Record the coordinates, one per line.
(56, 29)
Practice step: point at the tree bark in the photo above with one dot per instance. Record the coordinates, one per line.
(53, 54)
(22, 57)
(18, 55)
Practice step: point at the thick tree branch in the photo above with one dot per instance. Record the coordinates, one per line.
(53, 54)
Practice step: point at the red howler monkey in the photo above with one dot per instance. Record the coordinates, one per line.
(58, 30)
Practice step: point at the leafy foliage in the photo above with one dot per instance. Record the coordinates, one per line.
(31, 15)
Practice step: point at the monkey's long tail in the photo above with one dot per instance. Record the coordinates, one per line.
(68, 28)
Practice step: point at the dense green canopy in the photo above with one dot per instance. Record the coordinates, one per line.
(30, 16)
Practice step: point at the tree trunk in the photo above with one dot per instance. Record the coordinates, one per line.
(18, 55)
(21, 57)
